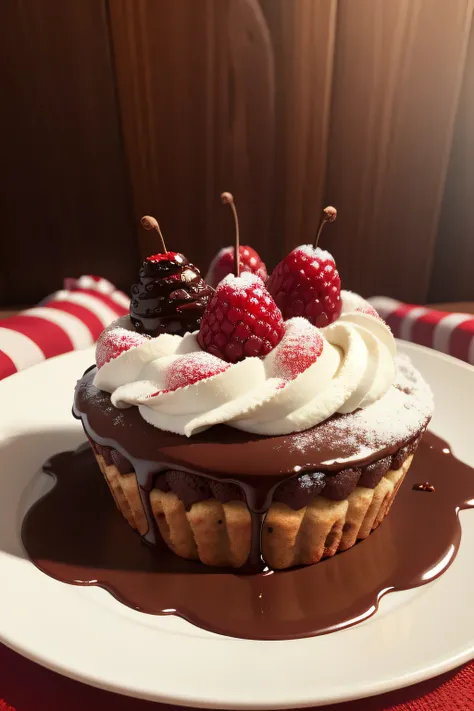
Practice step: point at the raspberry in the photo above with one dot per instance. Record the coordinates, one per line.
(300, 347)
(371, 311)
(306, 283)
(193, 367)
(354, 302)
(223, 264)
(115, 342)
(241, 320)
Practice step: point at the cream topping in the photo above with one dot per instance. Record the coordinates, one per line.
(312, 374)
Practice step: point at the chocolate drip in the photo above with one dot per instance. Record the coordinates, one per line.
(224, 452)
(102, 549)
(258, 492)
(145, 477)
(276, 471)
(190, 486)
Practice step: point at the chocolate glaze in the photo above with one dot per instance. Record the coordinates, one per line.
(224, 452)
(170, 297)
(102, 549)
(257, 492)
(295, 491)
(177, 462)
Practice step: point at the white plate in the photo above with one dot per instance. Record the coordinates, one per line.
(86, 634)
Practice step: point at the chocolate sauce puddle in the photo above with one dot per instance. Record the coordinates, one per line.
(76, 535)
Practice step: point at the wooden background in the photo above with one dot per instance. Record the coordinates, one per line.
(116, 108)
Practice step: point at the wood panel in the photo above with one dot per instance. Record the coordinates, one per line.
(228, 94)
(65, 200)
(283, 102)
(303, 35)
(452, 277)
(195, 83)
(397, 77)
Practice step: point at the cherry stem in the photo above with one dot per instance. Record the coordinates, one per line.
(150, 223)
(228, 199)
(329, 215)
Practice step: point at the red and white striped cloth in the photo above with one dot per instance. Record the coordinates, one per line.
(67, 320)
(74, 318)
(451, 333)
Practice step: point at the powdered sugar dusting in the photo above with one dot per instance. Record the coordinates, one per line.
(119, 419)
(371, 312)
(241, 282)
(400, 414)
(224, 264)
(115, 342)
(299, 348)
(354, 302)
(193, 367)
(317, 253)
(94, 398)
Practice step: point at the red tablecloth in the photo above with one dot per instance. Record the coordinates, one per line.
(25, 686)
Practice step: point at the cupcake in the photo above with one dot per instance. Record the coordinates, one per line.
(275, 433)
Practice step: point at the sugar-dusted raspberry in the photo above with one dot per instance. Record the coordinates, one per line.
(299, 348)
(306, 283)
(115, 342)
(223, 264)
(193, 367)
(241, 320)
(355, 302)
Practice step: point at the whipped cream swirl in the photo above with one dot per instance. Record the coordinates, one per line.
(312, 374)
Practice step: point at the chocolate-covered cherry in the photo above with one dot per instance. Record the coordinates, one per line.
(171, 294)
